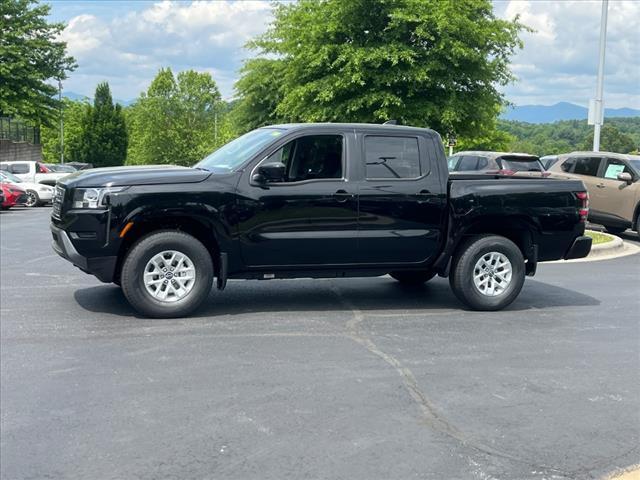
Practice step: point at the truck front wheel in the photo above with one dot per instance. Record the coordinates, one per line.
(487, 272)
(167, 274)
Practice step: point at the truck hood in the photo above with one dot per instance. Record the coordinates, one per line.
(127, 176)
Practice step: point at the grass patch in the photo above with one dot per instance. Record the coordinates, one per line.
(598, 237)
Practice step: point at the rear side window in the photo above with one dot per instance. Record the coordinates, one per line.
(567, 165)
(391, 157)
(472, 162)
(522, 165)
(19, 168)
(587, 166)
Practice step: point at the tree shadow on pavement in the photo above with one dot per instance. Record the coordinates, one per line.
(385, 294)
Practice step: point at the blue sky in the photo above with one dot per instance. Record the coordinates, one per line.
(126, 42)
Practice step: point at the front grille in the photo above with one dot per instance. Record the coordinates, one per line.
(58, 198)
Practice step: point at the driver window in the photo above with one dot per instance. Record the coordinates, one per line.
(311, 157)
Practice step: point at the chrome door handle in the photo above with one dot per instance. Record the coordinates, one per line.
(600, 185)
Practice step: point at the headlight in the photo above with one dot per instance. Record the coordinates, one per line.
(93, 197)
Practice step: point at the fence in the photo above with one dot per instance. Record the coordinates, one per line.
(19, 131)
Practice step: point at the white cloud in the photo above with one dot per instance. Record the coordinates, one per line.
(559, 61)
(128, 49)
(126, 44)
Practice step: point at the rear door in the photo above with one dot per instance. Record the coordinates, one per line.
(400, 199)
(583, 168)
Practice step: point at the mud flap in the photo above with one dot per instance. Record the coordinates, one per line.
(221, 280)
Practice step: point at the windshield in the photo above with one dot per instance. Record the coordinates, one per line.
(234, 154)
(635, 163)
(10, 176)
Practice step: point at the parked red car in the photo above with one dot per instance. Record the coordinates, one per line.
(13, 195)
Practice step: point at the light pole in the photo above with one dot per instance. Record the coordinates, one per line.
(598, 114)
(61, 122)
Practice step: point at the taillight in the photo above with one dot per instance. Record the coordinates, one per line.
(583, 207)
(506, 172)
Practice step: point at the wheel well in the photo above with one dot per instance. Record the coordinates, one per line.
(187, 225)
(518, 230)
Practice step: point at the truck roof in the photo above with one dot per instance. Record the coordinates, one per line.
(355, 126)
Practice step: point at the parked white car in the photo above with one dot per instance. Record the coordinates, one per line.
(34, 172)
(37, 193)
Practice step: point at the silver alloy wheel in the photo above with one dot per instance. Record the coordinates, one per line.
(492, 274)
(169, 276)
(32, 199)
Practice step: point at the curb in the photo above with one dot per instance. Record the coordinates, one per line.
(614, 247)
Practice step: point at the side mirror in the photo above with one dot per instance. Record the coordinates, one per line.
(270, 172)
(625, 177)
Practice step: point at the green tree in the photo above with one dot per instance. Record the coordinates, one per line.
(74, 113)
(611, 140)
(179, 120)
(104, 139)
(260, 90)
(30, 56)
(430, 63)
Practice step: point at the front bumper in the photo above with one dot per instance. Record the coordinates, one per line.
(101, 267)
(580, 248)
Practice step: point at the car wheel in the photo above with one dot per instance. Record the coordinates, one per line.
(487, 272)
(413, 278)
(614, 230)
(33, 200)
(167, 274)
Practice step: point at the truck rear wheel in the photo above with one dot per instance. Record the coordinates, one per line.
(413, 277)
(167, 274)
(487, 272)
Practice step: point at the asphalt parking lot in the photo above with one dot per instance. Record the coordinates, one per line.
(340, 379)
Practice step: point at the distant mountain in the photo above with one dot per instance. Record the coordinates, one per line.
(78, 96)
(560, 111)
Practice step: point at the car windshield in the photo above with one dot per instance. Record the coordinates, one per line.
(10, 176)
(635, 163)
(234, 154)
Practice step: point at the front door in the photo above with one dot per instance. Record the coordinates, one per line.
(611, 196)
(400, 200)
(307, 218)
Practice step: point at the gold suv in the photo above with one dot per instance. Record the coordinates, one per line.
(613, 182)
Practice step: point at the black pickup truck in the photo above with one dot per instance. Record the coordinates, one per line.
(315, 200)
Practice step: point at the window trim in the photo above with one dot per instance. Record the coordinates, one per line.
(290, 139)
(407, 179)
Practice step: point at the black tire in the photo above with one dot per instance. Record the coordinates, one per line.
(615, 230)
(132, 274)
(33, 199)
(461, 276)
(413, 277)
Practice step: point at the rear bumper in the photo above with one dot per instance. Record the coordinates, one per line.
(580, 248)
(101, 267)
